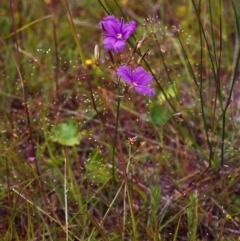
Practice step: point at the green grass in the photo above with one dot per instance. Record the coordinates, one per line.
(112, 165)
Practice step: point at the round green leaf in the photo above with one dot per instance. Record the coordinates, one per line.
(66, 133)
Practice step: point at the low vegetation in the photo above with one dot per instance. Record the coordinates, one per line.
(87, 153)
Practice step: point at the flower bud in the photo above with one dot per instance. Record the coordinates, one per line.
(96, 52)
(139, 44)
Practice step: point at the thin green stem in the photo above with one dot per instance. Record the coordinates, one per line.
(56, 70)
(124, 206)
(120, 9)
(109, 7)
(218, 62)
(75, 36)
(115, 133)
(65, 192)
(200, 92)
(209, 54)
(212, 32)
(237, 21)
(20, 73)
(233, 77)
(108, 210)
(226, 107)
(129, 195)
(159, 85)
(164, 64)
(105, 9)
(191, 70)
(198, 85)
(126, 190)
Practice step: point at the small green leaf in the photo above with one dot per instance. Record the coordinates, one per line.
(55, 162)
(66, 133)
(169, 92)
(96, 168)
(159, 114)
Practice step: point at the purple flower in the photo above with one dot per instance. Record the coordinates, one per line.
(116, 33)
(31, 158)
(139, 79)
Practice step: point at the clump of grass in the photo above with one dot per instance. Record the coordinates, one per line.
(84, 158)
